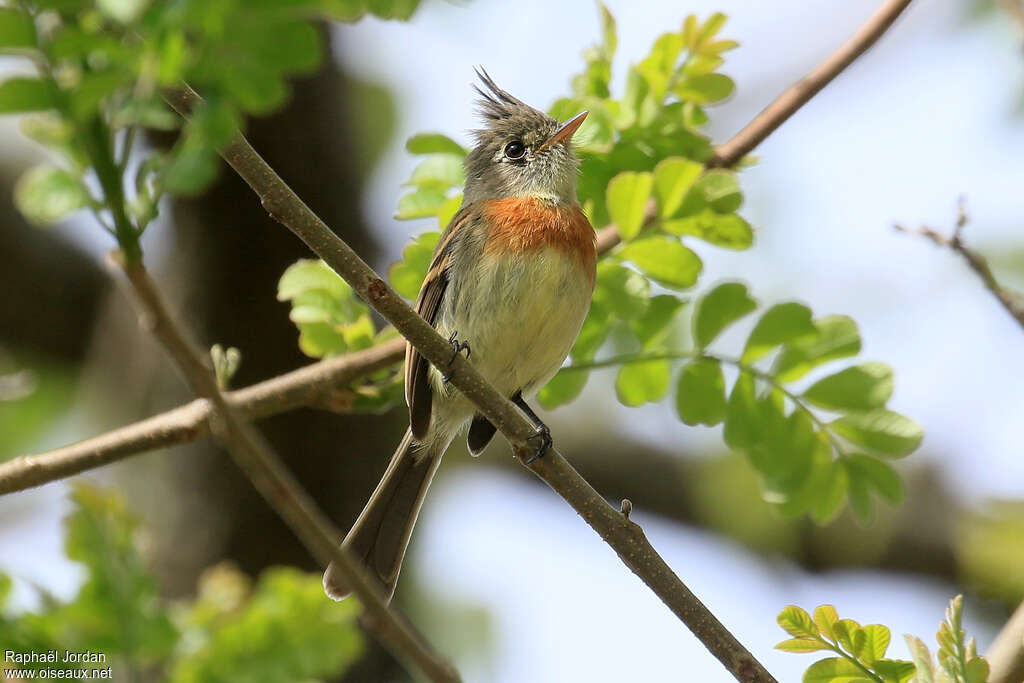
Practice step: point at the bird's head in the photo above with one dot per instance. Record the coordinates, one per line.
(520, 151)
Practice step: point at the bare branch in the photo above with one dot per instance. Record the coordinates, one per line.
(273, 480)
(798, 94)
(1006, 656)
(1010, 300)
(308, 386)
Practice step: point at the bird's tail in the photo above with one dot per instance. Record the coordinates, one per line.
(380, 536)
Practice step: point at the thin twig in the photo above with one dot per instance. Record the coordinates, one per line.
(1010, 300)
(625, 537)
(798, 94)
(273, 480)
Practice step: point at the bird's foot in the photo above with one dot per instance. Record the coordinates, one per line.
(457, 348)
(544, 434)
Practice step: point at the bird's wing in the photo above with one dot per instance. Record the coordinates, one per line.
(417, 382)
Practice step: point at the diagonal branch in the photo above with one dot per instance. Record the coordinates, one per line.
(273, 480)
(798, 94)
(1010, 300)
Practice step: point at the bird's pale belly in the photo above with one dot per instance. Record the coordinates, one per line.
(521, 316)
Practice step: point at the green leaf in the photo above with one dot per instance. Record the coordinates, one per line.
(621, 291)
(642, 382)
(655, 324)
(825, 618)
(829, 483)
(742, 414)
(780, 324)
(117, 610)
(700, 393)
(720, 190)
(596, 327)
(673, 178)
(664, 260)
(20, 94)
(837, 337)
(705, 88)
(124, 11)
(432, 143)
(895, 670)
(876, 642)
(438, 171)
(407, 275)
(861, 387)
(977, 670)
(46, 194)
(285, 632)
(879, 474)
(422, 203)
(719, 308)
(925, 672)
(835, 670)
(627, 197)
(797, 622)
(17, 30)
(799, 645)
(846, 633)
(310, 274)
(609, 38)
(562, 389)
(727, 230)
(882, 431)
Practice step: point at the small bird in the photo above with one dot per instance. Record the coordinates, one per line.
(510, 284)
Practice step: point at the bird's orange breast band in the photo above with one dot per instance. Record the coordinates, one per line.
(520, 225)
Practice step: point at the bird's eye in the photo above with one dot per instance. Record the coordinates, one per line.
(515, 150)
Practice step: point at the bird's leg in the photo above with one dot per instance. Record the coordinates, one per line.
(543, 433)
(457, 347)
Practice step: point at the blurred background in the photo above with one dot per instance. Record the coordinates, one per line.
(501, 573)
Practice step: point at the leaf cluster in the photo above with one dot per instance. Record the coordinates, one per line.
(102, 67)
(862, 649)
(280, 630)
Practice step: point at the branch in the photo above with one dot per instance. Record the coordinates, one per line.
(310, 386)
(1006, 656)
(272, 479)
(1010, 300)
(798, 94)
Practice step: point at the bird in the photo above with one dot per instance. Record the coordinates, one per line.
(509, 284)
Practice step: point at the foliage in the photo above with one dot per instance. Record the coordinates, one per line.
(102, 67)
(281, 630)
(333, 321)
(862, 649)
(642, 157)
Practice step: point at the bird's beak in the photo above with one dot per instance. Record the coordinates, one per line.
(564, 134)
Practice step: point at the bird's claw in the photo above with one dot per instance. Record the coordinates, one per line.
(457, 348)
(544, 434)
